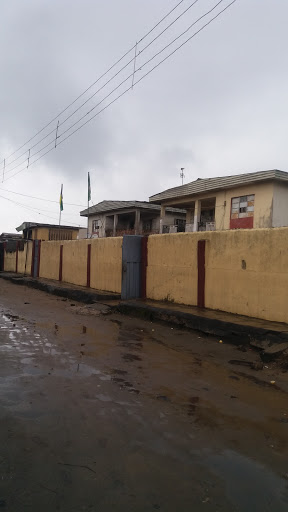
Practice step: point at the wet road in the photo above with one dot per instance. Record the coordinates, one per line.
(108, 413)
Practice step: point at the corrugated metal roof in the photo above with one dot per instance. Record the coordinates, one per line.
(110, 206)
(210, 184)
(30, 225)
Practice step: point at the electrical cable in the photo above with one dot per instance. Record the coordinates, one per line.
(128, 89)
(115, 89)
(32, 209)
(41, 198)
(96, 92)
(96, 81)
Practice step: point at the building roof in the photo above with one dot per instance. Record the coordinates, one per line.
(10, 236)
(110, 206)
(212, 184)
(31, 225)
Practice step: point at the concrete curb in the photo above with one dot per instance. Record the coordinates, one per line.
(76, 294)
(233, 332)
(236, 333)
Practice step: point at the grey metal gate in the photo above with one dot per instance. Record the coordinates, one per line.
(131, 267)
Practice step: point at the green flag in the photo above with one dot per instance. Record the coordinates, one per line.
(61, 199)
(89, 188)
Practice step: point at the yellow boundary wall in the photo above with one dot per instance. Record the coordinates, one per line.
(246, 271)
(24, 260)
(105, 268)
(49, 260)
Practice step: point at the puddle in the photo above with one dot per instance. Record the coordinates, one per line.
(249, 485)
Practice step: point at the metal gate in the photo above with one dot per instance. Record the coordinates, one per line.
(131, 267)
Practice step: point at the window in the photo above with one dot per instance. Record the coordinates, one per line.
(180, 223)
(242, 207)
(95, 225)
(147, 226)
(60, 234)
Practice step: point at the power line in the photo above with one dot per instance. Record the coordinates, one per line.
(135, 83)
(97, 80)
(41, 198)
(115, 89)
(98, 90)
(30, 208)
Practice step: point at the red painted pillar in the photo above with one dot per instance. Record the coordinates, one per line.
(17, 248)
(88, 265)
(61, 263)
(201, 274)
(144, 263)
(39, 255)
(33, 257)
(4, 251)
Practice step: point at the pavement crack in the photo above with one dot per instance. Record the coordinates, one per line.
(77, 466)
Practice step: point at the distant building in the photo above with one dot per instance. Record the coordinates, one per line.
(4, 237)
(116, 218)
(255, 200)
(45, 232)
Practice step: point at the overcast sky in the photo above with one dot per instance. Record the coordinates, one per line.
(218, 106)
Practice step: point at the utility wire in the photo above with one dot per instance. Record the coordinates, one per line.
(98, 90)
(97, 80)
(138, 81)
(42, 199)
(115, 89)
(30, 208)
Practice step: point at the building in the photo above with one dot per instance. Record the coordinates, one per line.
(5, 237)
(37, 231)
(116, 218)
(254, 200)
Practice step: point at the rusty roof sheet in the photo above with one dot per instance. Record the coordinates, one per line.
(212, 184)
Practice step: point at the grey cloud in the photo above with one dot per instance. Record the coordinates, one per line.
(219, 106)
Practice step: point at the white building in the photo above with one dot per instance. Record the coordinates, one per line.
(116, 218)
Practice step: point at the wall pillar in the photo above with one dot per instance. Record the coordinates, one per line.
(115, 224)
(137, 222)
(201, 273)
(197, 214)
(39, 256)
(61, 263)
(88, 265)
(17, 249)
(162, 217)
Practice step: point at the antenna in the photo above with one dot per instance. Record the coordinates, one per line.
(182, 175)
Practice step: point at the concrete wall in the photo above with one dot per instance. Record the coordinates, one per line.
(74, 268)
(106, 264)
(10, 261)
(49, 260)
(43, 233)
(280, 205)
(25, 259)
(172, 267)
(262, 207)
(246, 271)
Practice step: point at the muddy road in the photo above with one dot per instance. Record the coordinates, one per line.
(101, 412)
